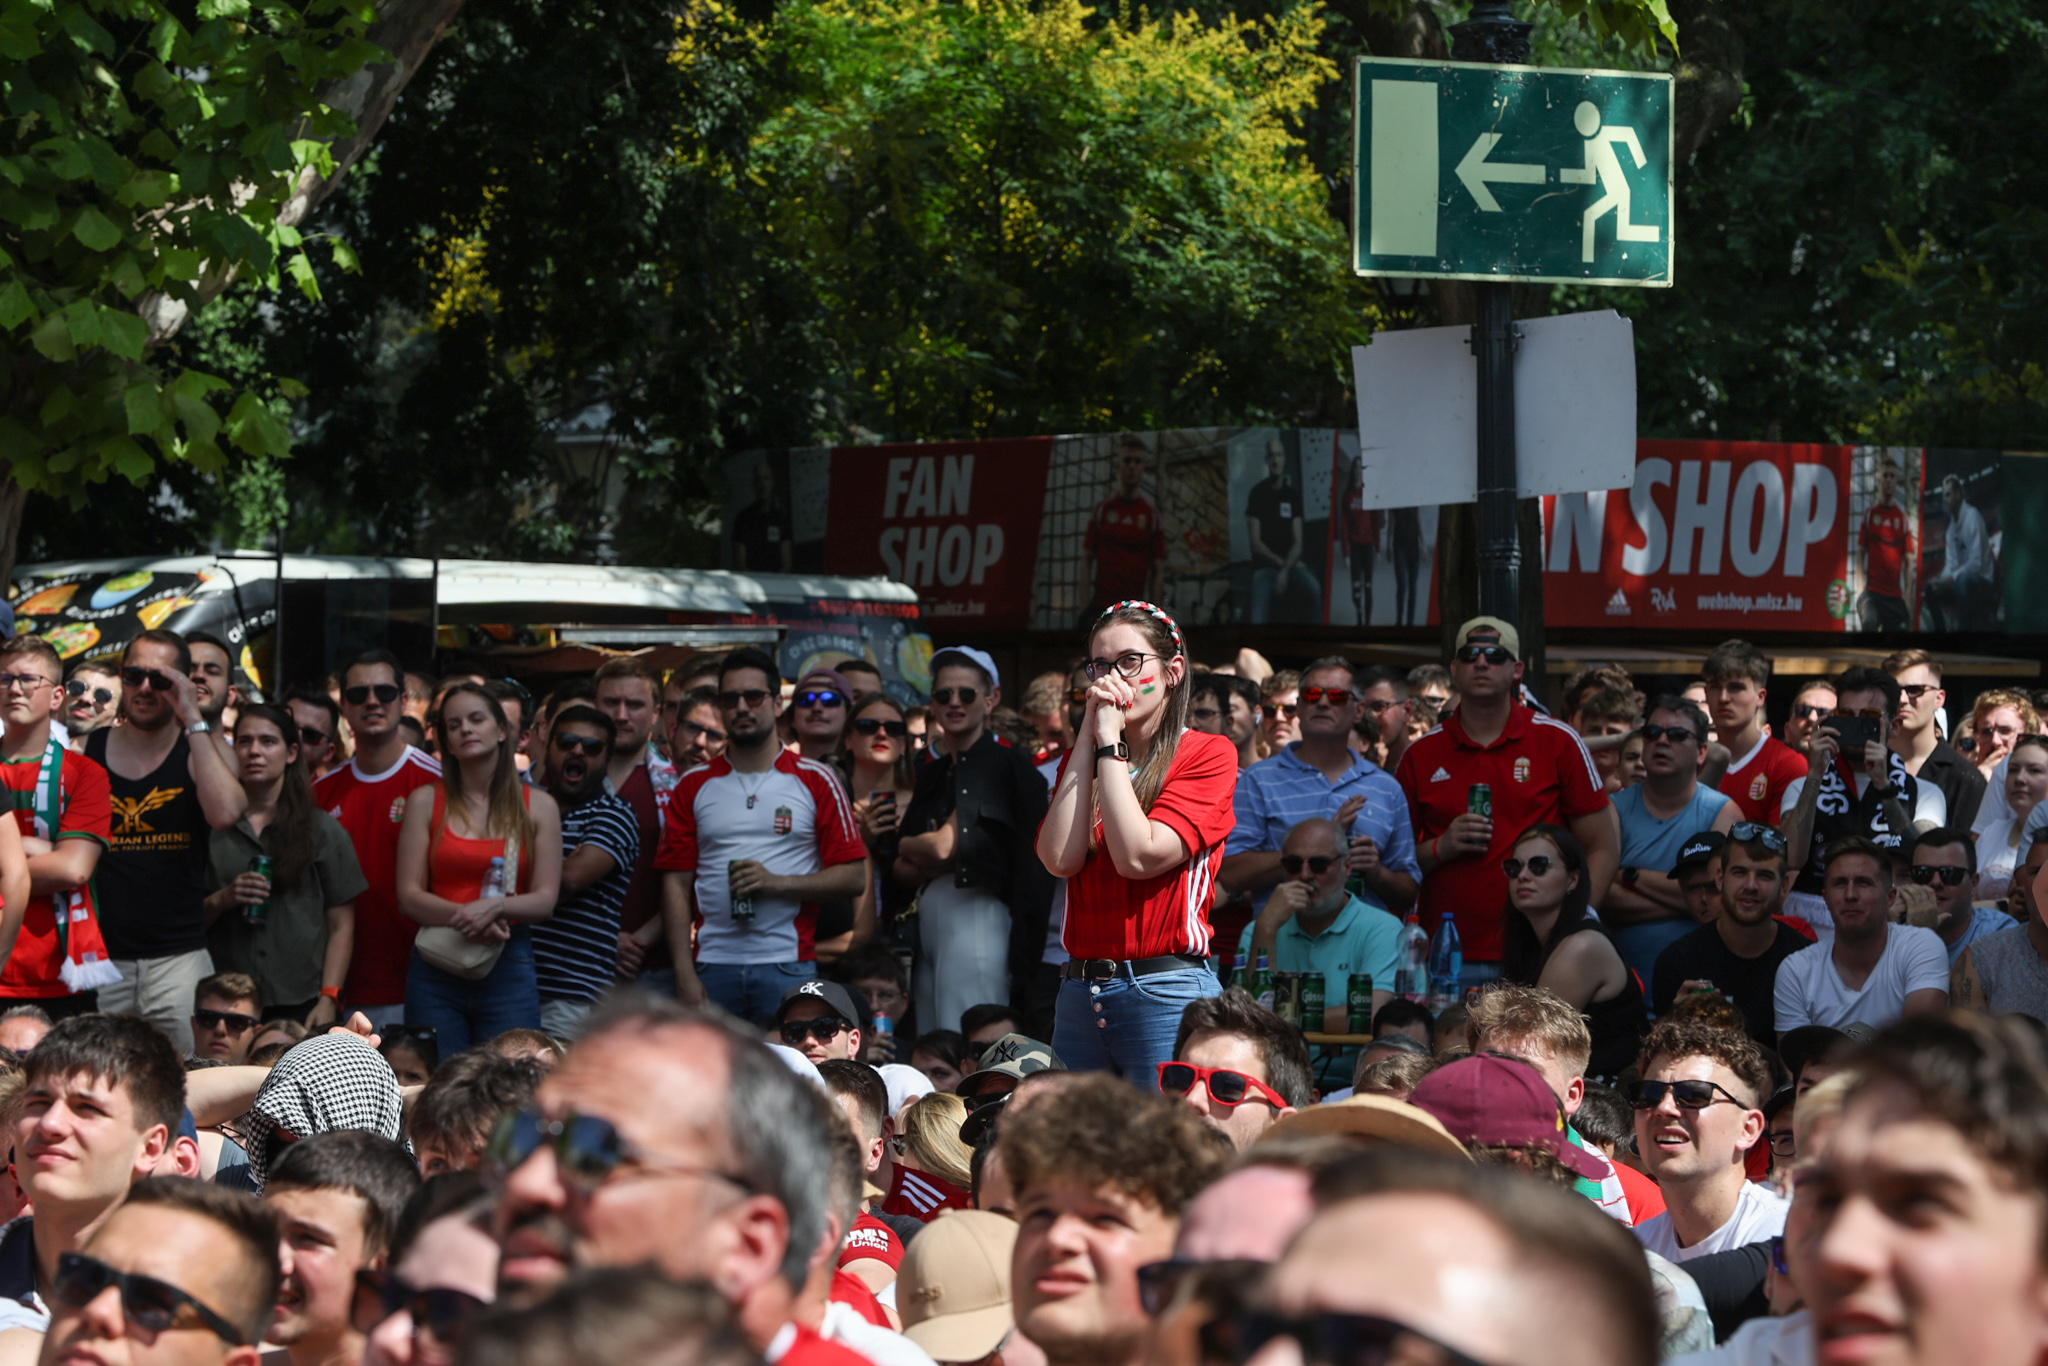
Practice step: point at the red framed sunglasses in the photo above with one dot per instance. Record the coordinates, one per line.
(1225, 1086)
(1336, 697)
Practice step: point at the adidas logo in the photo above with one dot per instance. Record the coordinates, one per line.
(1617, 606)
(1440, 776)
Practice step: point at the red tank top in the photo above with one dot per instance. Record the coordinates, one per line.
(456, 865)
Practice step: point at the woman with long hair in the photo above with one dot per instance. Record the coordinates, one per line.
(1137, 825)
(294, 930)
(1554, 941)
(2002, 845)
(482, 825)
(876, 760)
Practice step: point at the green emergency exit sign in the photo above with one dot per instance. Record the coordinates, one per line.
(1466, 171)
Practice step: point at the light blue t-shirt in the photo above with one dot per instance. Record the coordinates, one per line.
(1361, 939)
(1653, 844)
(1984, 920)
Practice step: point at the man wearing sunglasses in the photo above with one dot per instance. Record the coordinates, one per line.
(575, 951)
(1738, 950)
(820, 1021)
(318, 718)
(338, 1197)
(1311, 922)
(368, 795)
(1538, 770)
(763, 827)
(1916, 736)
(92, 699)
(172, 785)
(226, 1010)
(1241, 1066)
(966, 847)
(1699, 1110)
(183, 1274)
(1944, 861)
(818, 713)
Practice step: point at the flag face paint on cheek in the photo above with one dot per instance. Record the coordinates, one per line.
(1145, 684)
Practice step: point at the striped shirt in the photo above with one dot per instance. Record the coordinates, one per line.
(576, 951)
(1277, 794)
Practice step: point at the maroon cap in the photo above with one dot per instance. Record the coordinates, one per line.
(1499, 1102)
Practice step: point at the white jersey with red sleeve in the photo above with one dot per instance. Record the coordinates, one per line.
(795, 819)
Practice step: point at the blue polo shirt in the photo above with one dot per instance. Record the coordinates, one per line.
(1277, 794)
(1361, 939)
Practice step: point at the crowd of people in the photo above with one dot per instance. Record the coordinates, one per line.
(719, 1017)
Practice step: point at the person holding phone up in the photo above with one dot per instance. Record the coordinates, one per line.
(1854, 785)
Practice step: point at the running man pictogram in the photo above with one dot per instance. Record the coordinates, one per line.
(1603, 164)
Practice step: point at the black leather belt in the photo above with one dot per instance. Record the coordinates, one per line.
(1108, 969)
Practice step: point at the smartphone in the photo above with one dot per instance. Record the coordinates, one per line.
(1856, 731)
(880, 801)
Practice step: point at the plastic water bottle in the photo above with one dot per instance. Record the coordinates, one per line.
(1446, 966)
(494, 881)
(1411, 971)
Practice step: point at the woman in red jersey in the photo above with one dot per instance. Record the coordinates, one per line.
(1137, 825)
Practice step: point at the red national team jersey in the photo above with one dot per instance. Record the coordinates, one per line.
(920, 1195)
(1887, 544)
(1126, 539)
(34, 969)
(1539, 771)
(871, 1240)
(371, 806)
(1756, 782)
(1112, 916)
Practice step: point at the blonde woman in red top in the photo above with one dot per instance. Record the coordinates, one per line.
(1137, 825)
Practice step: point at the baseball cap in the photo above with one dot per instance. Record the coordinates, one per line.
(818, 680)
(1013, 1055)
(980, 659)
(1508, 636)
(953, 1289)
(831, 993)
(1376, 1118)
(1698, 849)
(1484, 1100)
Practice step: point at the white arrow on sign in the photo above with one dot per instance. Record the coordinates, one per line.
(1475, 170)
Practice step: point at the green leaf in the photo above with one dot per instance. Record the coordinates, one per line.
(301, 267)
(53, 339)
(123, 333)
(16, 306)
(291, 388)
(145, 408)
(85, 30)
(18, 38)
(201, 422)
(61, 404)
(65, 157)
(126, 276)
(180, 263)
(345, 255)
(82, 320)
(127, 458)
(145, 189)
(95, 230)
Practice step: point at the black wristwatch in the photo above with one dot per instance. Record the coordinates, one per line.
(1119, 750)
(1629, 875)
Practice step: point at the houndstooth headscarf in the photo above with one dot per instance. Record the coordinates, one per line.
(332, 1081)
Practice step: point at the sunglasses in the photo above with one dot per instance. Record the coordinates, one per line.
(1806, 711)
(736, 698)
(387, 693)
(150, 1304)
(1745, 832)
(875, 725)
(443, 1315)
(820, 699)
(1539, 865)
(1329, 1340)
(26, 682)
(592, 745)
(1286, 711)
(1652, 734)
(151, 680)
(236, 1022)
(1336, 697)
(1204, 713)
(716, 737)
(587, 1150)
(308, 735)
(1077, 696)
(944, 696)
(1690, 1095)
(77, 688)
(1219, 1283)
(1492, 654)
(823, 1030)
(1128, 665)
(1225, 1087)
(1950, 877)
(1913, 692)
(1317, 864)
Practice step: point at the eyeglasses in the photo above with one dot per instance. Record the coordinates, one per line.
(443, 1315)
(1539, 865)
(1913, 692)
(154, 1305)
(151, 680)
(875, 725)
(1318, 864)
(944, 696)
(100, 696)
(1492, 654)
(587, 1150)
(820, 699)
(736, 698)
(26, 682)
(1651, 734)
(1950, 877)
(824, 1030)
(1336, 697)
(1690, 1095)
(1329, 1340)
(1203, 713)
(592, 745)
(1225, 1086)
(1160, 1283)
(1783, 1144)
(716, 737)
(236, 1022)
(1129, 664)
(387, 693)
(1748, 832)
(1380, 706)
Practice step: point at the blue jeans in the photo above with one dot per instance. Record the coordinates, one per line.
(1127, 1024)
(1266, 578)
(465, 1013)
(752, 991)
(1640, 944)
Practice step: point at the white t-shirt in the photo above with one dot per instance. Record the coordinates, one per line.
(1810, 992)
(1759, 1214)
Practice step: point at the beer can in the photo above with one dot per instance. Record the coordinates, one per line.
(1314, 999)
(1287, 996)
(263, 867)
(1479, 801)
(742, 905)
(1358, 1004)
